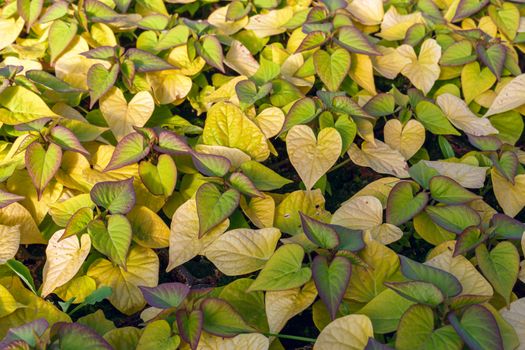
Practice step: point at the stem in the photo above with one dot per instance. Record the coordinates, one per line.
(337, 166)
(292, 337)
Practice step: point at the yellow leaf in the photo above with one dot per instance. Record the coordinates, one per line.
(423, 70)
(63, 260)
(380, 189)
(149, 230)
(367, 12)
(20, 105)
(250, 341)
(346, 333)
(10, 29)
(362, 71)
(79, 288)
(62, 211)
(270, 121)
(380, 157)
(234, 155)
(180, 59)
(103, 35)
(395, 25)
(407, 138)
(16, 214)
(169, 86)
(511, 197)
(242, 251)
(142, 270)
(184, 236)
(312, 157)
(385, 233)
(475, 81)
(8, 303)
(359, 213)
(241, 60)
(259, 210)
(122, 116)
(270, 23)
(390, 63)
(9, 242)
(226, 125)
(282, 305)
(511, 96)
(515, 316)
(466, 175)
(225, 27)
(457, 111)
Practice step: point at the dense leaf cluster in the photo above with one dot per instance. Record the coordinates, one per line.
(262, 174)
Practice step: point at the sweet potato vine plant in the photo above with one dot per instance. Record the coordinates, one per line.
(262, 174)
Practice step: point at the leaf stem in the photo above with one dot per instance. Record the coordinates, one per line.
(292, 337)
(337, 166)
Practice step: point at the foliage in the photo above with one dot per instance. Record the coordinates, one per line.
(259, 174)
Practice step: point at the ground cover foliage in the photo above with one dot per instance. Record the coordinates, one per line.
(262, 174)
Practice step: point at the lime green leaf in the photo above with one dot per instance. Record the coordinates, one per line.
(332, 68)
(434, 120)
(100, 80)
(113, 239)
(324, 235)
(213, 207)
(190, 326)
(61, 34)
(131, 149)
(302, 111)
(210, 49)
(221, 319)
(454, 218)
(419, 292)
(158, 335)
(78, 223)
(29, 10)
(507, 18)
(116, 196)
(42, 164)
(448, 191)
(263, 178)
(403, 205)
(458, 54)
(477, 328)
(20, 105)
(243, 184)
(354, 40)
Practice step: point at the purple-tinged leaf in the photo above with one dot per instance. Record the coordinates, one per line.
(34, 125)
(352, 39)
(376, 345)
(100, 80)
(243, 184)
(467, 8)
(302, 111)
(417, 291)
(485, 143)
(454, 218)
(448, 191)
(64, 138)
(211, 164)
(507, 164)
(42, 164)
(331, 280)
(78, 223)
(469, 239)
(351, 240)
(77, 336)
(29, 333)
(493, 57)
(190, 326)
(7, 198)
(122, 5)
(148, 133)
(312, 40)
(506, 227)
(320, 233)
(166, 295)
(213, 207)
(101, 53)
(131, 149)
(116, 196)
(146, 62)
(127, 68)
(402, 205)
(221, 319)
(171, 143)
(55, 11)
(50, 81)
(210, 49)
(446, 282)
(478, 328)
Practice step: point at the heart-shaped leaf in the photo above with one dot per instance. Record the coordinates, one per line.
(312, 157)
(469, 239)
(159, 179)
(67, 140)
(454, 218)
(112, 239)
(100, 80)
(116, 196)
(190, 326)
(210, 49)
(478, 328)
(507, 18)
(302, 111)
(42, 164)
(493, 57)
(475, 81)
(448, 191)
(166, 295)
(417, 291)
(213, 207)
(78, 223)
(324, 235)
(131, 149)
(243, 184)
(507, 164)
(332, 68)
(331, 280)
(407, 139)
(402, 205)
(61, 34)
(354, 40)
(211, 164)
(221, 319)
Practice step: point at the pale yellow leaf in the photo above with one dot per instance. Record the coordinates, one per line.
(270, 121)
(379, 188)
(380, 157)
(223, 26)
(259, 210)
(511, 197)
(9, 242)
(16, 214)
(249, 341)
(466, 175)
(386, 233)
(362, 71)
(407, 138)
(345, 333)
(359, 213)
(395, 25)
(367, 12)
(79, 288)
(390, 63)
(312, 157)
(10, 29)
(179, 57)
(241, 60)
(169, 86)
(423, 70)
(515, 315)
(271, 23)
(511, 96)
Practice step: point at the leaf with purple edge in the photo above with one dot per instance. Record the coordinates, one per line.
(312, 40)
(417, 291)
(402, 205)
(493, 57)
(507, 164)
(29, 10)
(146, 62)
(100, 80)
(64, 138)
(213, 207)
(221, 319)
(469, 239)
(467, 8)
(478, 328)
(113, 238)
(211, 164)
(190, 326)
(131, 149)
(506, 227)
(446, 282)
(323, 235)
(353, 40)
(28, 333)
(376, 345)
(171, 143)
(302, 111)
(243, 184)
(210, 49)
(349, 239)
(78, 223)
(7, 198)
(331, 280)
(61, 34)
(166, 295)
(101, 52)
(485, 143)
(42, 164)
(77, 336)
(454, 218)
(448, 191)
(116, 196)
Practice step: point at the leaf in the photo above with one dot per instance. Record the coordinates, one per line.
(507, 18)
(493, 57)
(312, 157)
(475, 81)
(509, 196)
(213, 207)
(263, 178)
(477, 328)
(509, 97)
(434, 120)
(458, 54)
(446, 282)
(323, 235)
(395, 25)
(243, 184)
(210, 49)
(29, 10)
(348, 332)
(514, 316)
(158, 335)
(149, 230)
(380, 157)
(122, 116)
(419, 292)
(283, 271)
(467, 8)
(7, 198)
(242, 251)
(74, 335)
(63, 260)
(9, 242)
(28, 333)
(448, 191)
(500, 266)
(42, 164)
(423, 70)
(61, 34)
(67, 140)
(407, 139)
(190, 326)
(142, 269)
(466, 175)
(100, 80)
(20, 105)
(367, 12)
(302, 111)
(146, 62)
(131, 149)
(23, 273)
(166, 295)
(353, 40)
(332, 68)
(454, 218)
(403, 205)
(221, 319)
(210, 164)
(331, 280)
(10, 28)
(112, 239)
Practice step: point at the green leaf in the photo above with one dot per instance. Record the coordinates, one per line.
(211, 164)
(506, 227)
(116, 196)
(331, 280)
(210, 49)
(354, 40)
(61, 34)
(454, 218)
(78, 223)
(446, 282)
(29, 10)
(42, 164)
(77, 336)
(446, 148)
(112, 240)
(493, 57)
(380, 105)
(146, 62)
(284, 270)
(64, 138)
(477, 328)
(263, 178)
(500, 267)
(221, 319)
(302, 112)
(467, 8)
(23, 272)
(190, 326)
(402, 205)
(507, 164)
(55, 11)
(100, 80)
(159, 179)
(312, 40)
(243, 184)
(422, 173)
(213, 207)
(458, 54)
(158, 335)
(131, 149)
(507, 18)
(434, 120)
(50, 82)
(20, 105)
(332, 68)
(347, 128)
(166, 295)
(415, 327)
(419, 292)
(469, 239)
(448, 191)
(323, 235)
